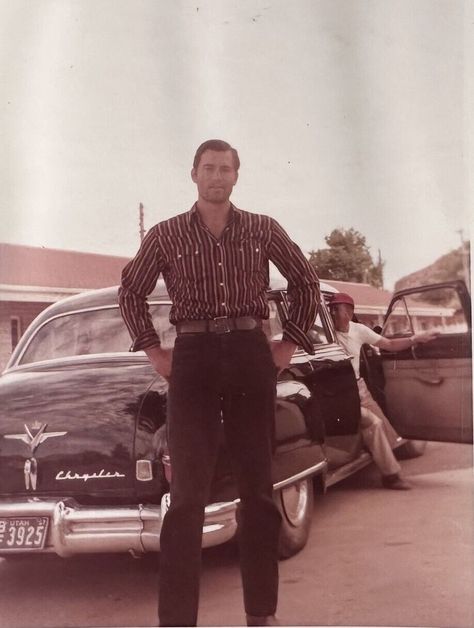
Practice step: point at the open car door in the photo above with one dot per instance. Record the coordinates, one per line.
(428, 388)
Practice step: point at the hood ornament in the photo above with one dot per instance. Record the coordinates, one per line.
(34, 435)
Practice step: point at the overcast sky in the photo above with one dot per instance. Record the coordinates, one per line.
(346, 113)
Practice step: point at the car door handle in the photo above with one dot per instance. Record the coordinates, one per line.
(433, 381)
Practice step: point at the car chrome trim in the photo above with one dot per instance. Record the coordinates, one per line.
(40, 365)
(100, 475)
(30, 472)
(348, 469)
(76, 529)
(363, 460)
(33, 441)
(317, 468)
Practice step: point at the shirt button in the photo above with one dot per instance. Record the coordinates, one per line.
(221, 284)
(222, 304)
(218, 244)
(219, 263)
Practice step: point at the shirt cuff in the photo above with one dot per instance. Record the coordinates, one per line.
(294, 334)
(148, 338)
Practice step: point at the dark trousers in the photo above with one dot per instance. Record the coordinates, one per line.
(229, 377)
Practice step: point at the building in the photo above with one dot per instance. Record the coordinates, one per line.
(371, 303)
(31, 278)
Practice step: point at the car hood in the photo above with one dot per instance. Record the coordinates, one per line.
(72, 429)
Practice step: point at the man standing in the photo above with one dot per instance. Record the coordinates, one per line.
(352, 336)
(214, 260)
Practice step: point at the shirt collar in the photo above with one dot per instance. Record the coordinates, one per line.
(235, 215)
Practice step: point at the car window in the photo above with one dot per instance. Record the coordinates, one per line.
(319, 333)
(91, 332)
(272, 325)
(438, 309)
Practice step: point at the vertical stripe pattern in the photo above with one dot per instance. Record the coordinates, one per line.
(208, 277)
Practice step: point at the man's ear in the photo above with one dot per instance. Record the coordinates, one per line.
(193, 175)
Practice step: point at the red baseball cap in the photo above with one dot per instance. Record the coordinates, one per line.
(341, 297)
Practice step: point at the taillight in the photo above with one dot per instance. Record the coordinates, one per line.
(144, 470)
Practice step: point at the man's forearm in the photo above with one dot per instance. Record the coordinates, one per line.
(400, 344)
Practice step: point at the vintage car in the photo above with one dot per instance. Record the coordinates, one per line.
(84, 465)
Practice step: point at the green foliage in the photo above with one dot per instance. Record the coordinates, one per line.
(347, 258)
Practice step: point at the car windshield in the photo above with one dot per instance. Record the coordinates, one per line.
(91, 331)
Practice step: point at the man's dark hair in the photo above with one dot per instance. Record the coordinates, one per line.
(218, 145)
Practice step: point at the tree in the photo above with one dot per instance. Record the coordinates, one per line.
(347, 258)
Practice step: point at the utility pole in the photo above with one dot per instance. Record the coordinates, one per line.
(141, 220)
(380, 267)
(464, 258)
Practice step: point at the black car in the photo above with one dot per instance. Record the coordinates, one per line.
(84, 465)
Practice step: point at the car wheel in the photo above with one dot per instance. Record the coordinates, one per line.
(295, 503)
(411, 449)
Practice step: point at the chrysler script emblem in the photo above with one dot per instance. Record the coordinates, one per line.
(34, 435)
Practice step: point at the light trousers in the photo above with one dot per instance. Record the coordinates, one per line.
(375, 428)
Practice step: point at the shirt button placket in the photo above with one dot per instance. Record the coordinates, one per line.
(221, 283)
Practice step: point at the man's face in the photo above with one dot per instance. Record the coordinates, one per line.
(215, 176)
(342, 315)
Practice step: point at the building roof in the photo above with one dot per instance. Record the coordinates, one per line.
(364, 295)
(38, 266)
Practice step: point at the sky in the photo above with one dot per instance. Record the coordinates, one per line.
(345, 113)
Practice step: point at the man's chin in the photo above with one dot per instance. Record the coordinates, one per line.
(217, 196)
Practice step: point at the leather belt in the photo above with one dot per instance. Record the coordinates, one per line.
(219, 325)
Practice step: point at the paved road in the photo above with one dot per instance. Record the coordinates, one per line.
(375, 558)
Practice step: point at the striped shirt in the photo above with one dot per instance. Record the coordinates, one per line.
(208, 277)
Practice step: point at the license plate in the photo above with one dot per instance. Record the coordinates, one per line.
(24, 533)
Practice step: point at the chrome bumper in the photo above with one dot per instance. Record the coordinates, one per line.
(75, 529)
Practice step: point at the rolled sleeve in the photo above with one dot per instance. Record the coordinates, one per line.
(139, 277)
(295, 334)
(303, 287)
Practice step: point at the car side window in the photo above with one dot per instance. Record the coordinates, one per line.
(272, 326)
(319, 333)
(438, 309)
(160, 314)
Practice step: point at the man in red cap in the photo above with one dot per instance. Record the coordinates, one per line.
(352, 336)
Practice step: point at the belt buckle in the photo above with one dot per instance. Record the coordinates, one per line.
(221, 325)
